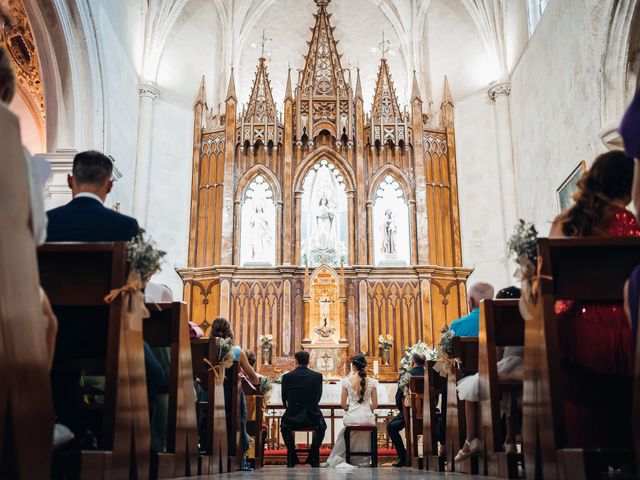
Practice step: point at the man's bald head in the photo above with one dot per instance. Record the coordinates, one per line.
(479, 291)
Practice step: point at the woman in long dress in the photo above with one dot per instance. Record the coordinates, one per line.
(359, 400)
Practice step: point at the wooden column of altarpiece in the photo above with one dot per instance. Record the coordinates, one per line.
(324, 118)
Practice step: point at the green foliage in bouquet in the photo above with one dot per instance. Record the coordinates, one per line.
(405, 362)
(144, 256)
(523, 244)
(265, 386)
(226, 344)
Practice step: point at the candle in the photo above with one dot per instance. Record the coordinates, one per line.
(375, 368)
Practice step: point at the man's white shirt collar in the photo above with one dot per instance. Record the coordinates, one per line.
(89, 195)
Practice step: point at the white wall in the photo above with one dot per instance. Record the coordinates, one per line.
(555, 104)
(170, 189)
(481, 217)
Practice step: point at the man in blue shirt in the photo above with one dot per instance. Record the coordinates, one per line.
(469, 325)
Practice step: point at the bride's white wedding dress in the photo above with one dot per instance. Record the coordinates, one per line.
(357, 414)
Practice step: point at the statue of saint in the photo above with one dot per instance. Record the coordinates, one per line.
(390, 230)
(325, 224)
(261, 238)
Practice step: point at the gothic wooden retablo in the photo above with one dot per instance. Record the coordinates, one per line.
(371, 199)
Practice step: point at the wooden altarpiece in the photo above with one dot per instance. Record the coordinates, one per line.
(324, 119)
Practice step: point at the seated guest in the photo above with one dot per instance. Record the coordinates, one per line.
(510, 366)
(632, 302)
(630, 132)
(301, 394)
(596, 339)
(86, 219)
(396, 425)
(469, 326)
(222, 329)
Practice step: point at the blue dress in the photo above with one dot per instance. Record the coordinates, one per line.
(228, 390)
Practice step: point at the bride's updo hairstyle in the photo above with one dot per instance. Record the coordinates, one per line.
(360, 363)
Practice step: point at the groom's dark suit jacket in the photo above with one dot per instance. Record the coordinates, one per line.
(85, 219)
(301, 392)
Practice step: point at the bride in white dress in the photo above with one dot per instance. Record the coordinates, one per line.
(359, 400)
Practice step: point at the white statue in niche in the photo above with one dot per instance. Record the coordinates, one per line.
(258, 225)
(390, 231)
(323, 216)
(260, 235)
(325, 219)
(391, 225)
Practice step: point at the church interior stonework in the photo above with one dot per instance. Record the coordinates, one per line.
(206, 198)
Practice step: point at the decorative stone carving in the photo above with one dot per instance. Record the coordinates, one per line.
(499, 89)
(148, 90)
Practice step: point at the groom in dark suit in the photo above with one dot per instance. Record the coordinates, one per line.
(301, 392)
(85, 218)
(396, 425)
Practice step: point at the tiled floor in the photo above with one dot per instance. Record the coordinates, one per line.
(381, 473)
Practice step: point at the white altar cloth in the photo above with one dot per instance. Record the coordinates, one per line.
(331, 394)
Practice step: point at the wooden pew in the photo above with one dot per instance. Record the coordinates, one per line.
(214, 450)
(434, 386)
(93, 337)
(465, 349)
(413, 421)
(255, 420)
(168, 326)
(591, 270)
(501, 325)
(232, 376)
(26, 410)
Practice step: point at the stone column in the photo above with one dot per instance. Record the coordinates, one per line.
(499, 94)
(148, 94)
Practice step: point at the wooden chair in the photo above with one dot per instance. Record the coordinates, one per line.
(26, 410)
(434, 386)
(255, 420)
(501, 325)
(214, 449)
(413, 415)
(168, 326)
(465, 349)
(589, 270)
(373, 444)
(102, 339)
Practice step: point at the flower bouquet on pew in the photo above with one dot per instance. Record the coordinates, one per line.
(523, 248)
(405, 362)
(443, 353)
(265, 387)
(143, 255)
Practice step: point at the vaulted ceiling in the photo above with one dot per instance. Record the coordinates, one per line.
(473, 42)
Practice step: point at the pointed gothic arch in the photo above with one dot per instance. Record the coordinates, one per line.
(263, 179)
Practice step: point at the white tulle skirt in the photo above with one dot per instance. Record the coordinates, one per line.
(510, 367)
(358, 414)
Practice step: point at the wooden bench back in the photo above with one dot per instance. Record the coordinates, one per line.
(416, 389)
(590, 270)
(466, 349)
(434, 386)
(167, 326)
(94, 337)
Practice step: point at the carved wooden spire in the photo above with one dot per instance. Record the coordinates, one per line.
(231, 90)
(446, 109)
(358, 85)
(415, 90)
(322, 74)
(202, 93)
(261, 108)
(385, 102)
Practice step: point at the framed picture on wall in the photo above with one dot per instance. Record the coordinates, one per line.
(568, 188)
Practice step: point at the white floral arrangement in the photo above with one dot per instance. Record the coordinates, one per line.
(385, 343)
(144, 256)
(405, 362)
(225, 354)
(266, 341)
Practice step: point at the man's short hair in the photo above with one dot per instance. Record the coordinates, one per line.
(481, 291)
(419, 358)
(302, 357)
(7, 77)
(92, 167)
